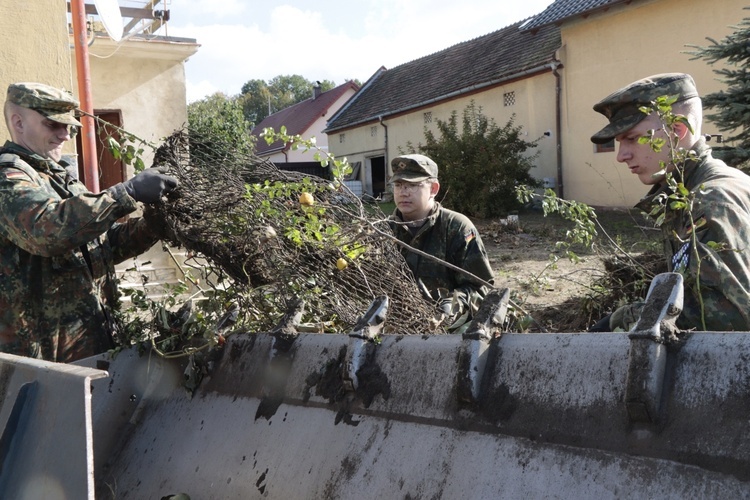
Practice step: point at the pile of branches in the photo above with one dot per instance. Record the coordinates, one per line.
(271, 238)
(624, 281)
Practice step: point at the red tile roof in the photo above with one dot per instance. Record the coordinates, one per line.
(460, 69)
(299, 117)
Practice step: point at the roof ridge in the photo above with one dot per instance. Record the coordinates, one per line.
(463, 67)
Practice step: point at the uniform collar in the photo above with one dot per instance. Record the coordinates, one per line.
(689, 172)
(35, 160)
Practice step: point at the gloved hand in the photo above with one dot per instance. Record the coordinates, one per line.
(150, 185)
(625, 317)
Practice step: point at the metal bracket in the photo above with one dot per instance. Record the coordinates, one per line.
(46, 448)
(648, 352)
(473, 352)
(367, 329)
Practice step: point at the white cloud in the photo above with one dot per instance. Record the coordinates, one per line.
(328, 39)
(202, 9)
(197, 91)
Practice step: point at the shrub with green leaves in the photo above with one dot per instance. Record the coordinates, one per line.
(480, 163)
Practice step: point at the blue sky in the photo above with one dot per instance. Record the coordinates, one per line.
(334, 40)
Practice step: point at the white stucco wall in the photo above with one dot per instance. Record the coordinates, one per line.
(316, 130)
(146, 81)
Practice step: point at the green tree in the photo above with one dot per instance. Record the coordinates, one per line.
(731, 106)
(255, 97)
(480, 163)
(260, 98)
(221, 118)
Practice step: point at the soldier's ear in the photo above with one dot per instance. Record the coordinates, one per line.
(681, 130)
(15, 123)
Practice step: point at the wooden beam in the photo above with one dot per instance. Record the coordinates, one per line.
(149, 6)
(126, 11)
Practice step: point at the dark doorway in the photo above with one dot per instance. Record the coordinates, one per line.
(377, 167)
(111, 171)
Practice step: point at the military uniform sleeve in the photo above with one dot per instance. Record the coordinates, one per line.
(130, 239)
(36, 219)
(722, 262)
(468, 252)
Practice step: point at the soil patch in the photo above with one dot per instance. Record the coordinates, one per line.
(567, 296)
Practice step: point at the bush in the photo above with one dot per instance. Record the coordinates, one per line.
(480, 165)
(221, 118)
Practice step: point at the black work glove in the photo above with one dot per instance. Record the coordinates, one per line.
(150, 185)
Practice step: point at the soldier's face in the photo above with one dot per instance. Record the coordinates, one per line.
(40, 135)
(414, 199)
(640, 158)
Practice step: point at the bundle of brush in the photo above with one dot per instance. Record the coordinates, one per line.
(271, 237)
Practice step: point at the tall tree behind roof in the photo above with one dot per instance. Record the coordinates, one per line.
(260, 98)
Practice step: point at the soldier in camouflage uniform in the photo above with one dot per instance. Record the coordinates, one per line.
(59, 242)
(422, 223)
(721, 213)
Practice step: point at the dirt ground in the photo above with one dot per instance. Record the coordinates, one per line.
(551, 293)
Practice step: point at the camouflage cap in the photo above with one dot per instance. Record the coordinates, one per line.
(622, 107)
(56, 104)
(413, 168)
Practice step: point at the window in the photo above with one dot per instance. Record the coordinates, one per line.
(428, 117)
(374, 131)
(605, 148)
(509, 98)
(342, 138)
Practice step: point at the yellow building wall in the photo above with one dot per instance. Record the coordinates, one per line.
(534, 111)
(609, 50)
(34, 37)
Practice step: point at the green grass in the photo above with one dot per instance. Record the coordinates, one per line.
(388, 207)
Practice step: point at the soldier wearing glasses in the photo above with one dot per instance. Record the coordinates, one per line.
(422, 223)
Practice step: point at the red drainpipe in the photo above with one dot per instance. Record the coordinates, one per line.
(88, 133)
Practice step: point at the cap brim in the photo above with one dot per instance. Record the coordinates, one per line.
(408, 178)
(65, 118)
(616, 128)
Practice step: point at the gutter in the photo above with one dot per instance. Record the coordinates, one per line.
(555, 65)
(385, 156)
(455, 93)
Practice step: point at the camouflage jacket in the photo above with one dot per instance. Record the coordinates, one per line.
(721, 215)
(449, 236)
(58, 246)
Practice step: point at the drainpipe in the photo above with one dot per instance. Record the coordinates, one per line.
(88, 136)
(558, 125)
(385, 156)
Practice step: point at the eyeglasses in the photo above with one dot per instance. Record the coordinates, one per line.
(407, 187)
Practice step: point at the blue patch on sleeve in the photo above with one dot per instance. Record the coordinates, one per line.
(681, 259)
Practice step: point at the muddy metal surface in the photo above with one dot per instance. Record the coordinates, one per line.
(550, 421)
